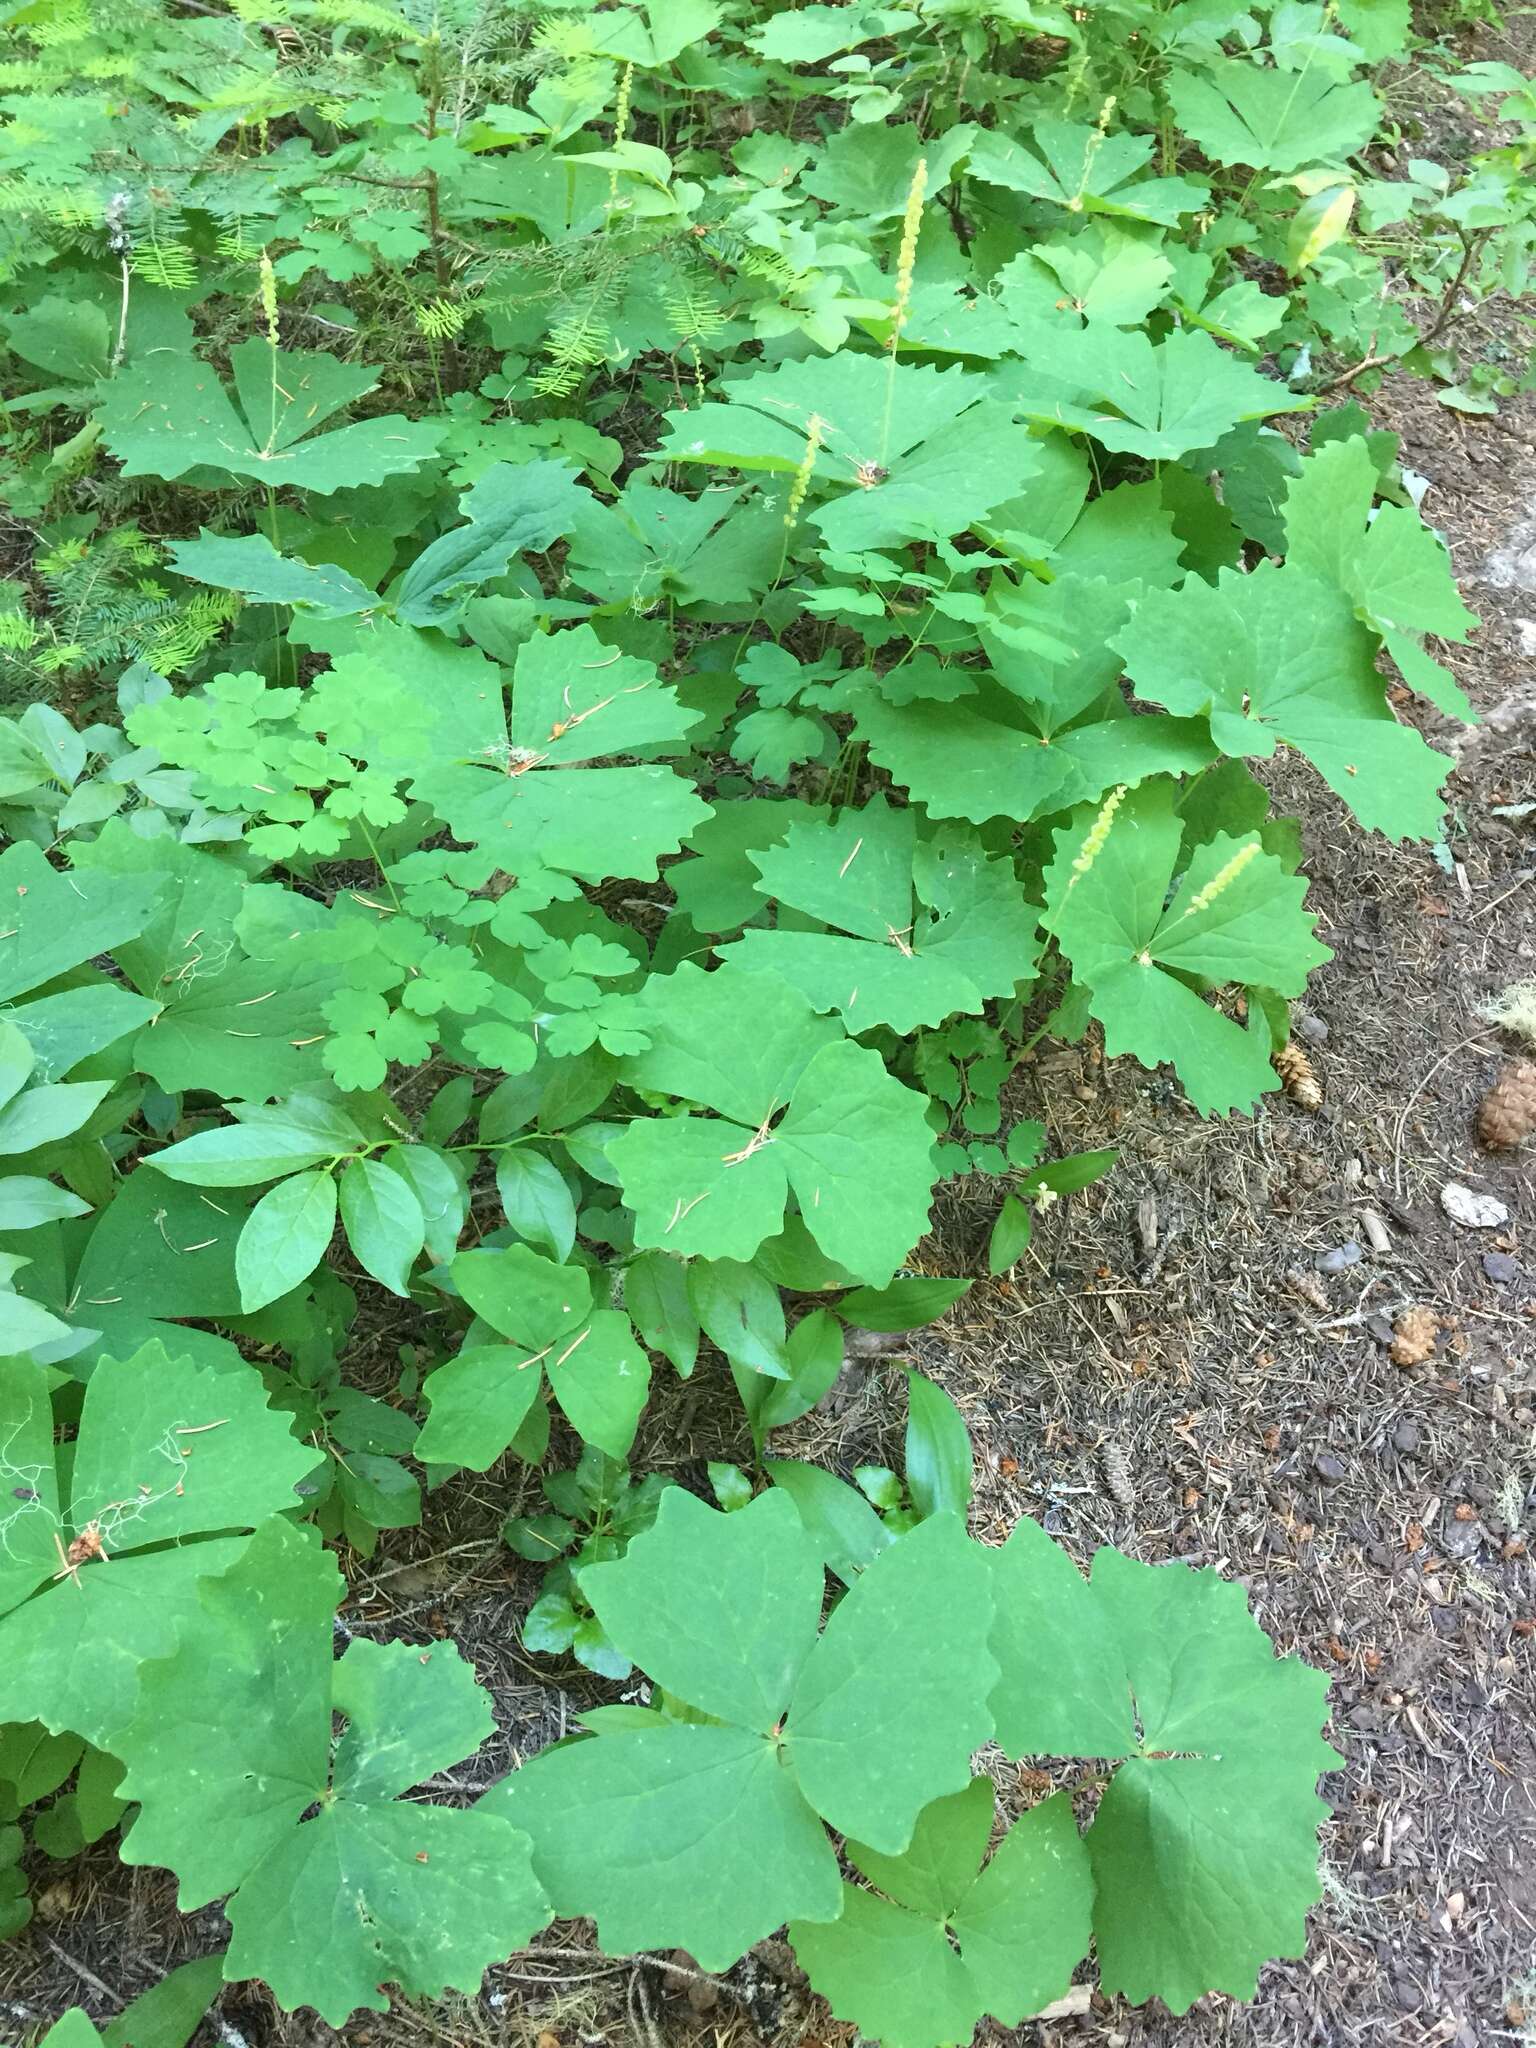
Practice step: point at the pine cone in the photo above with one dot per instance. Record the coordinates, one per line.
(1300, 1082)
(1413, 1336)
(1508, 1111)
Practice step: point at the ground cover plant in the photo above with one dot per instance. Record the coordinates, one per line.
(627, 606)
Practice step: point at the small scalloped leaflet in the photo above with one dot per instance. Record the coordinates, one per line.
(941, 1942)
(231, 1747)
(167, 1452)
(706, 1832)
(1204, 1848)
(1235, 916)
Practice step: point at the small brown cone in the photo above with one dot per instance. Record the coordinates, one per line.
(1508, 1111)
(1300, 1082)
(1413, 1336)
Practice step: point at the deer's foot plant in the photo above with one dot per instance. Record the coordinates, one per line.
(639, 602)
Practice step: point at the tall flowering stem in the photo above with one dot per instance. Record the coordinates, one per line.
(906, 258)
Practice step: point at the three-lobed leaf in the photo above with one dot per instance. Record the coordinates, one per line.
(935, 1939)
(709, 1835)
(1204, 1848)
(368, 1889)
(169, 1454)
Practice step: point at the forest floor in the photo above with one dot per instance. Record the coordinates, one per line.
(1192, 1361)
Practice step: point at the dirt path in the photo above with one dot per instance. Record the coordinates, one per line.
(1213, 1381)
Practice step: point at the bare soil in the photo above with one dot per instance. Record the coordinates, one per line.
(1192, 1361)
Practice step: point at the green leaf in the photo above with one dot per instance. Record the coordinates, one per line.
(707, 1836)
(853, 1145)
(700, 1051)
(64, 337)
(16, 1059)
(918, 453)
(813, 1358)
(440, 1192)
(657, 1299)
(1010, 1235)
(933, 929)
(763, 1571)
(906, 1304)
(656, 544)
(847, 1532)
(574, 701)
(285, 1237)
(160, 1251)
(1079, 167)
(984, 762)
(740, 1311)
(673, 1831)
(1279, 656)
(1241, 113)
(512, 508)
(50, 922)
(938, 1451)
(26, 1202)
(66, 1028)
(41, 1116)
(1047, 1618)
(383, 1219)
(240, 1156)
(250, 564)
(1395, 571)
(370, 1890)
(943, 1941)
(167, 1451)
(1099, 273)
(1236, 916)
(168, 2014)
(169, 413)
(73, 2031)
(536, 1201)
(1165, 398)
(1204, 1848)
(597, 1372)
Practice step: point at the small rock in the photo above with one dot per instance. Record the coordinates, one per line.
(1380, 1329)
(1500, 1267)
(1405, 1438)
(1327, 1465)
(1339, 1258)
(1465, 1205)
(1311, 1028)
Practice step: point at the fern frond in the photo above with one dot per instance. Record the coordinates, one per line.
(573, 346)
(691, 311)
(18, 632)
(169, 265)
(441, 320)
